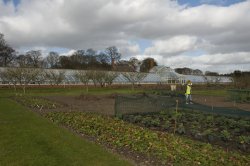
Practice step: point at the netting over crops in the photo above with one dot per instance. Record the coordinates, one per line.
(142, 104)
(239, 95)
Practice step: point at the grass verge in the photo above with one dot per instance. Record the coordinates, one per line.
(75, 91)
(211, 92)
(28, 139)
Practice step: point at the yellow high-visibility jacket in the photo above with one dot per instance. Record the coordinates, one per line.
(188, 90)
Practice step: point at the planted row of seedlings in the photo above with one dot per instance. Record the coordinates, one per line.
(37, 102)
(167, 149)
(227, 131)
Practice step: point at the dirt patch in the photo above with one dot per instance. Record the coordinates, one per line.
(103, 104)
(218, 101)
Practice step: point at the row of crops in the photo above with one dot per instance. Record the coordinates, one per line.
(239, 95)
(167, 149)
(227, 131)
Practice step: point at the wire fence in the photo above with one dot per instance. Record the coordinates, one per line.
(145, 103)
(239, 95)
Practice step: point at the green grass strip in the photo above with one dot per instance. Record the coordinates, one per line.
(210, 92)
(167, 147)
(76, 91)
(28, 139)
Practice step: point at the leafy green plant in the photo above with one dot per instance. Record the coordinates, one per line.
(243, 124)
(38, 103)
(147, 121)
(168, 148)
(155, 122)
(244, 139)
(231, 123)
(210, 134)
(166, 125)
(225, 135)
(202, 126)
(181, 129)
(210, 120)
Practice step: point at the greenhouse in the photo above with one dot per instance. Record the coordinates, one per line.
(167, 75)
(157, 75)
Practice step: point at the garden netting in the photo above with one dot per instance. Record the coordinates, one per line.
(239, 95)
(150, 103)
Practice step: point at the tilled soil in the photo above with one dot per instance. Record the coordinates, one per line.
(104, 104)
(96, 104)
(218, 101)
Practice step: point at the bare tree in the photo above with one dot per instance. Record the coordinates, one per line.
(8, 76)
(135, 64)
(100, 77)
(92, 76)
(83, 77)
(23, 61)
(113, 54)
(52, 60)
(26, 76)
(35, 57)
(55, 77)
(102, 58)
(41, 78)
(22, 76)
(217, 79)
(110, 77)
(7, 54)
(96, 77)
(134, 77)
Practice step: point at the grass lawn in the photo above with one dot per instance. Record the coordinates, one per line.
(28, 139)
(66, 91)
(75, 91)
(210, 92)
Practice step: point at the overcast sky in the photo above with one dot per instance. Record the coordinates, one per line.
(209, 35)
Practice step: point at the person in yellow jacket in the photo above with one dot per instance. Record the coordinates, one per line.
(188, 93)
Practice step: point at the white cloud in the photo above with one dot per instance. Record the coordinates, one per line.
(129, 49)
(68, 53)
(97, 24)
(223, 63)
(173, 46)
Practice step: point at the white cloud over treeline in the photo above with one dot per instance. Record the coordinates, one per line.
(222, 32)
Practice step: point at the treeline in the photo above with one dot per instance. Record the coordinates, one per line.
(90, 59)
(188, 71)
(241, 78)
(26, 76)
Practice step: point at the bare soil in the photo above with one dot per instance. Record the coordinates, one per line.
(218, 101)
(104, 104)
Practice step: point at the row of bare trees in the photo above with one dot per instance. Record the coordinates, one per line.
(108, 59)
(241, 79)
(25, 76)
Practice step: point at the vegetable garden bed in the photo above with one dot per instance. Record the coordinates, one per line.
(227, 131)
(167, 149)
